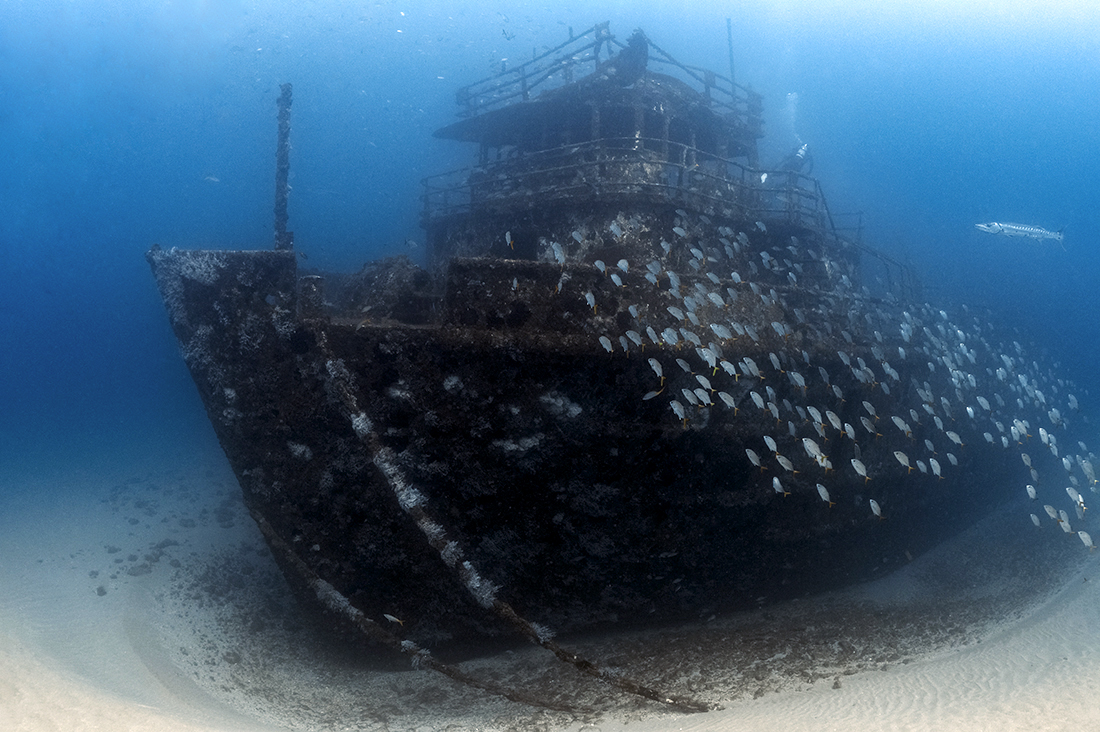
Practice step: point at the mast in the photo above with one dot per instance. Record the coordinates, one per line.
(283, 239)
(729, 41)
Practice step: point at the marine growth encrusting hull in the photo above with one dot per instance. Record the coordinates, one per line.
(656, 396)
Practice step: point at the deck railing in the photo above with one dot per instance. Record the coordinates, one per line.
(581, 55)
(630, 168)
(636, 170)
(556, 67)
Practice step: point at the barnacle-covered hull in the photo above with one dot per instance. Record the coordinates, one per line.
(537, 457)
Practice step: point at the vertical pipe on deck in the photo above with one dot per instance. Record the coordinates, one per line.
(729, 40)
(283, 239)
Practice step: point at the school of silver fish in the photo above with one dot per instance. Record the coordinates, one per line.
(974, 390)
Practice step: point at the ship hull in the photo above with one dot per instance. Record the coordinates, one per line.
(581, 502)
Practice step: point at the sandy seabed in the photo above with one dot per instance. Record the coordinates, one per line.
(137, 595)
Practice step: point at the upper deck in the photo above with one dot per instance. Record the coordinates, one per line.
(581, 132)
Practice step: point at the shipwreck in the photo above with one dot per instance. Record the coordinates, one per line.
(642, 377)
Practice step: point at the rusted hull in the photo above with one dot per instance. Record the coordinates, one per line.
(535, 452)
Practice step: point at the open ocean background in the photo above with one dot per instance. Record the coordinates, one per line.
(128, 124)
(124, 124)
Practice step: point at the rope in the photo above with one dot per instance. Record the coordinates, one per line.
(412, 501)
(331, 598)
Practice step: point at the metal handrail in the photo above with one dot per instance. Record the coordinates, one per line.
(660, 168)
(498, 90)
(654, 171)
(748, 103)
(519, 82)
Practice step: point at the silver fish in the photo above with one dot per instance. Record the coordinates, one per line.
(1032, 232)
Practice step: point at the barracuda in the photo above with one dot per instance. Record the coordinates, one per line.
(1032, 232)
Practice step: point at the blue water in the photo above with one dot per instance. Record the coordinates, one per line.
(128, 124)
(124, 124)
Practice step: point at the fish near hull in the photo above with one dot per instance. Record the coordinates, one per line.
(529, 447)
